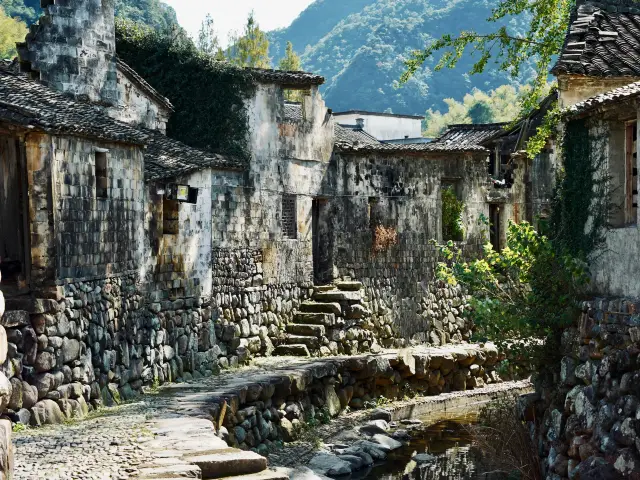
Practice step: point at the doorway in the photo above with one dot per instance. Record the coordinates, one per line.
(322, 239)
(14, 240)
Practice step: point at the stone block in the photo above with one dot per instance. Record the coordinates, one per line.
(229, 463)
(15, 319)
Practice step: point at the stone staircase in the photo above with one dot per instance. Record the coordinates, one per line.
(187, 447)
(327, 323)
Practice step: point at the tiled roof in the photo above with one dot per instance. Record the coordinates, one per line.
(603, 40)
(167, 158)
(292, 112)
(618, 94)
(142, 83)
(407, 148)
(465, 135)
(353, 135)
(28, 103)
(283, 77)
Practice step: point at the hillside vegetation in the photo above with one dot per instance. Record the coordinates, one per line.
(360, 47)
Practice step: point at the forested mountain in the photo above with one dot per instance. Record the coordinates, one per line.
(360, 45)
(154, 13)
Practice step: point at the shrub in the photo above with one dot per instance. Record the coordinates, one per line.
(383, 239)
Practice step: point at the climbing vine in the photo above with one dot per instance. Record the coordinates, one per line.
(209, 96)
(581, 205)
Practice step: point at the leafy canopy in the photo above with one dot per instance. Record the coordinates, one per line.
(504, 49)
(252, 48)
(499, 105)
(209, 96)
(291, 61)
(12, 30)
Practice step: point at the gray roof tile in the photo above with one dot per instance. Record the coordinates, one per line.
(465, 135)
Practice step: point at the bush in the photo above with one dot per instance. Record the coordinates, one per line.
(522, 297)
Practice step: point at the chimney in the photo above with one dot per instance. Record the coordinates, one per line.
(360, 123)
(72, 49)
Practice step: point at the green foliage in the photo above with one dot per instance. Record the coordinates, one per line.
(27, 13)
(522, 297)
(499, 105)
(360, 46)
(12, 30)
(291, 61)
(581, 204)
(209, 97)
(452, 208)
(207, 41)
(153, 13)
(506, 49)
(252, 48)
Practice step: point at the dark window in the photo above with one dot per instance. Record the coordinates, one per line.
(631, 174)
(170, 216)
(289, 216)
(102, 179)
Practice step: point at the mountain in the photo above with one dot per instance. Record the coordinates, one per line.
(360, 45)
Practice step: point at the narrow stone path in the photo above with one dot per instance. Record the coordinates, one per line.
(121, 443)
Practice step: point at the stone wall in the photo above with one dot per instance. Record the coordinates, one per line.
(6, 447)
(588, 417)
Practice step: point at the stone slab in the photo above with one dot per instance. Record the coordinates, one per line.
(15, 319)
(231, 463)
(265, 475)
(326, 319)
(300, 350)
(319, 307)
(338, 296)
(306, 330)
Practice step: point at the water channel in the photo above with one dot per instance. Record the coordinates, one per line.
(448, 442)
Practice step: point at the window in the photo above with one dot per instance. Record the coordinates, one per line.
(102, 179)
(289, 216)
(631, 188)
(170, 216)
(452, 208)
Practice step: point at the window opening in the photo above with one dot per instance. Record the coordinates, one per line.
(631, 200)
(102, 179)
(289, 216)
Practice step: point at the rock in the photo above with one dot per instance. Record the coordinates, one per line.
(4, 345)
(374, 427)
(70, 350)
(386, 443)
(5, 392)
(422, 458)
(46, 412)
(627, 463)
(288, 432)
(353, 460)
(380, 414)
(373, 449)
(332, 401)
(24, 416)
(15, 319)
(329, 464)
(45, 362)
(596, 468)
(230, 463)
(15, 402)
(29, 395)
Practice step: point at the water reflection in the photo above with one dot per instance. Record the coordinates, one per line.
(448, 443)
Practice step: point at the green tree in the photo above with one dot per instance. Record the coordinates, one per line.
(252, 48)
(18, 9)
(291, 61)
(547, 21)
(481, 112)
(12, 31)
(207, 41)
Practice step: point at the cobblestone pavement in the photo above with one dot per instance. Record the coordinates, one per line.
(110, 446)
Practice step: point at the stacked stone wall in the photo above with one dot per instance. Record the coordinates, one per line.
(589, 416)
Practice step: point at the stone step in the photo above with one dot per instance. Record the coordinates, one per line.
(312, 342)
(229, 464)
(318, 307)
(300, 350)
(323, 288)
(266, 475)
(349, 285)
(326, 319)
(306, 330)
(162, 472)
(338, 296)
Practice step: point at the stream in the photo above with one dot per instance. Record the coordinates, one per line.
(449, 442)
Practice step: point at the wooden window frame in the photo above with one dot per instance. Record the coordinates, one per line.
(631, 173)
(101, 164)
(289, 205)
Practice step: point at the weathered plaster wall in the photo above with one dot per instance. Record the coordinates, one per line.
(135, 106)
(574, 88)
(73, 48)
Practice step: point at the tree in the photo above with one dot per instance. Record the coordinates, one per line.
(12, 31)
(499, 105)
(547, 20)
(291, 61)
(252, 48)
(207, 41)
(18, 9)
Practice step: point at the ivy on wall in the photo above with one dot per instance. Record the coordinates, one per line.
(581, 204)
(209, 96)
